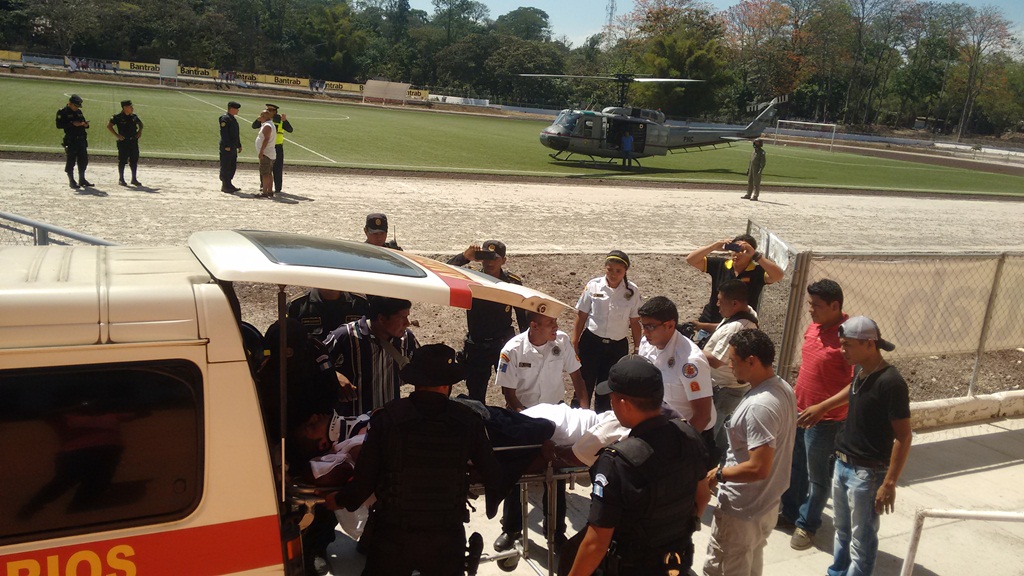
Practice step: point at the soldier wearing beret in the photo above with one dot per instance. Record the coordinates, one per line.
(230, 146)
(76, 145)
(281, 125)
(129, 130)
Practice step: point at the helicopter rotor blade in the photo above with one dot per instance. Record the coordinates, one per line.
(665, 80)
(568, 76)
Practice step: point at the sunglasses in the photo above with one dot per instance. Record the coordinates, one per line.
(651, 327)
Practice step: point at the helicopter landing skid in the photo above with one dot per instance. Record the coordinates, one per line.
(556, 155)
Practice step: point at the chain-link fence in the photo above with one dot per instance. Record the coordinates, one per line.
(20, 231)
(955, 318)
(775, 298)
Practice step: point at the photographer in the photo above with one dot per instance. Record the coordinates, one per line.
(489, 323)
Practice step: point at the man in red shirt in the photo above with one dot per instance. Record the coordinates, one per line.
(823, 372)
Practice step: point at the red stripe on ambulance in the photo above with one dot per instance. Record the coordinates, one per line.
(205, 550)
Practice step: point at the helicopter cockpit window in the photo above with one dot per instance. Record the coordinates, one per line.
(568, 119)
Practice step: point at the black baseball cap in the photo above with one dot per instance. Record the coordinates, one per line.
(75, 99)
(376, 222)
(433, 365)
(235, 105)
(634, 376)
(272, 106)
(496, 246)
(125, 103)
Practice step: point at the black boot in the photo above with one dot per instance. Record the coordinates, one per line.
(71, 181)
(82, 181)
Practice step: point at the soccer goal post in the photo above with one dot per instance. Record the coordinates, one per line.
(808, 130)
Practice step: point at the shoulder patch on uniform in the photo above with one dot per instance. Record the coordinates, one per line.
(556, 350)
(504, 357)
(223, 123)
(514, 277)
(600, 481)
(690, 370)
(694, 386)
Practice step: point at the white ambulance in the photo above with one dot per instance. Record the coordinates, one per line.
(131, 440)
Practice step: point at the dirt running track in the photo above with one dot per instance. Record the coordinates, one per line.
(438, 216)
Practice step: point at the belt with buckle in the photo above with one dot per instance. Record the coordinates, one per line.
(860, 462)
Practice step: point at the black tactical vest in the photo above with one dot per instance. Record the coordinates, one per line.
(426, 476)
(669, 480)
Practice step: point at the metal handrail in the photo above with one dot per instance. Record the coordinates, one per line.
(41, 231)
(915, 536)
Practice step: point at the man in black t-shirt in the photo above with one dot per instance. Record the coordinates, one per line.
(745, 264)
(872, 448)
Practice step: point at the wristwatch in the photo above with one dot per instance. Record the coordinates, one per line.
(718, 475)
(756, 257)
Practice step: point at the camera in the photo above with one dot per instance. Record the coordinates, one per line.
(485, 255)
(734, 247)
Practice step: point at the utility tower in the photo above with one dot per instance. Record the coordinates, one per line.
(609, 25)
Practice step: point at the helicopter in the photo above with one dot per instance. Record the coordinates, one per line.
(599, 134)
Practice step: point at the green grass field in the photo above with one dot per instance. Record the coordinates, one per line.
(183, 124)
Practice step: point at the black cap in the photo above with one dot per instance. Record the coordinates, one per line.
(273, 106)
(618, 256)
(75, 99)
(496, 246)
(125, 103)
(235, 105)
(634, 376)
(433, 365)
(376, 222)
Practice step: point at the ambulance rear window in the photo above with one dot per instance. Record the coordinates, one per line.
(90, 448)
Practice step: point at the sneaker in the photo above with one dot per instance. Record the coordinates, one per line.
(506, 541)
(801, 540)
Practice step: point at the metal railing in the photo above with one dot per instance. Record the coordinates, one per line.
(17, 230)
(915, 536)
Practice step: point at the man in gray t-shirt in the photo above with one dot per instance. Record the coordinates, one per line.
(756, 471)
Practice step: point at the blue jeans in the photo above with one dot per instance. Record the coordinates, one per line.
(853, 497)
(811, 477)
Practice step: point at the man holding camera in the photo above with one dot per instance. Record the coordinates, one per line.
(744, 263)
(489, 323)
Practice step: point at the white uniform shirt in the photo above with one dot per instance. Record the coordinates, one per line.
(686, 372)
(570, 423)
(535, 372)
(610, 309)
(718, 346)
(605, 432)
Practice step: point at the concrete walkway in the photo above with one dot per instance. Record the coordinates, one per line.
(974, 467)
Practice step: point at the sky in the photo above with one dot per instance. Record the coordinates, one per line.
(579, 19)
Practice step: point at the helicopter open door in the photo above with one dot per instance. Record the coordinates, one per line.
(617, 127)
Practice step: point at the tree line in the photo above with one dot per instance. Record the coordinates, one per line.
(866, 63)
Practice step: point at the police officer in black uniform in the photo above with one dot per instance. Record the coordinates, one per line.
(489, 323)
(230, 146)
(76, 145)
(648, 490)
(281, 125)
(129, 130)
(322, 311)
(415, 460)
(376, 231)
